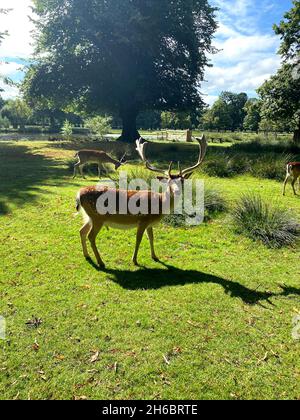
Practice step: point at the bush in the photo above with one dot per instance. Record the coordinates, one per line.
(214, 202)
(258, 220)
(4, 122)
(99, 126)
(67, 130)
(271, 166)
(225, 166)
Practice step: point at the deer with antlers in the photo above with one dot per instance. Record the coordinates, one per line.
(94, 156)
(88, 197)
(293, 173)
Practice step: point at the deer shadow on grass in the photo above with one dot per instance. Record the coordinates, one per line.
(22, 175)
(154, 279)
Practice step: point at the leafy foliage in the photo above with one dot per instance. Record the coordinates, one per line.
(253, 114)
(133, 55)
(67, 130)
(227, 113)
(289, 30)
(17, 112)
(258, 220)
(280, 94)
(100, 126)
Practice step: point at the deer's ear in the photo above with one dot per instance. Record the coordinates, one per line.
(162, 178)
(188, 176)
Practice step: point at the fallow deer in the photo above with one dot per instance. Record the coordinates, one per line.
(293, 173)
(87, 200)
(94, 156)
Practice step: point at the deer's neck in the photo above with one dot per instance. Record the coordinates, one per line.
(168, 198)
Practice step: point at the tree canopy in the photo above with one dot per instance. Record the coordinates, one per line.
(289, 30)
(123, 55)
(227, 113)
(253, 114)
(280, 94)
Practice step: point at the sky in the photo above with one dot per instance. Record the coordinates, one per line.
(245, 39)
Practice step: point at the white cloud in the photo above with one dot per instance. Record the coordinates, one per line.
(9, 69)
(19, 27)
(247, 56)
(9, 92)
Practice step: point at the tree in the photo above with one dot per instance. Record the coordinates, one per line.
(176, 120)
(17, 112)
(149, 120)
(280, 94)
(218, 117)
(253, 114)
(289, 30)
(67, 130)
(122, 55)
(99, 125)
(235, 103)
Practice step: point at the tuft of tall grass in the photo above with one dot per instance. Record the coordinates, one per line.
(273, 226)
(214, 203)
(271, 166)
(226, 166)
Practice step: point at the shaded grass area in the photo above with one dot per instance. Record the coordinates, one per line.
(219, 307)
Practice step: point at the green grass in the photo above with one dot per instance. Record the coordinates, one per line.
(220, 307)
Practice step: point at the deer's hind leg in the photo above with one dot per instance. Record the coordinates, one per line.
(139, 237)
(285, 183)
(151, 240)
(293, 185)
(76, 167)
(83, 234)
(92, 238)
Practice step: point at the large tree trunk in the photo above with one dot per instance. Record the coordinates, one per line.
(129, 133)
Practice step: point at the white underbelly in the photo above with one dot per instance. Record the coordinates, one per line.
(121, 226)
(127, 226)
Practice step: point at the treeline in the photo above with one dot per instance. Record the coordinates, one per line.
(237, 112)
(231, 112)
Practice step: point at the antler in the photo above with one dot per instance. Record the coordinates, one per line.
(182, 173)
(141, 147)
(203, 148)
(123, 158)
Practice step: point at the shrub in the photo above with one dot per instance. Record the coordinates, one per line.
(226, 166)
(258, 220)
(214, 202)
(271, 166)
(67, 130)
(4, 122)
(99, 126)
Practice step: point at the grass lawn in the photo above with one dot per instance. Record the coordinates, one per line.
(213, 321)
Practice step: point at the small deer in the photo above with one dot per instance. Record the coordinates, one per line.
(94, 156)
(87, 200)
(293, 173)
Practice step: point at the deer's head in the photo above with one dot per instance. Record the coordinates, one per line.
(175, 181)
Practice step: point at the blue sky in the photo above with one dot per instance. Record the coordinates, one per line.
(245, 39)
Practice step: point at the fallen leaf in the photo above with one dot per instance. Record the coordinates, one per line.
(95, 357)
(36, 346)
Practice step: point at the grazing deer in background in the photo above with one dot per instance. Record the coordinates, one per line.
(97, 157)
(292, 172)
(88, 197)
